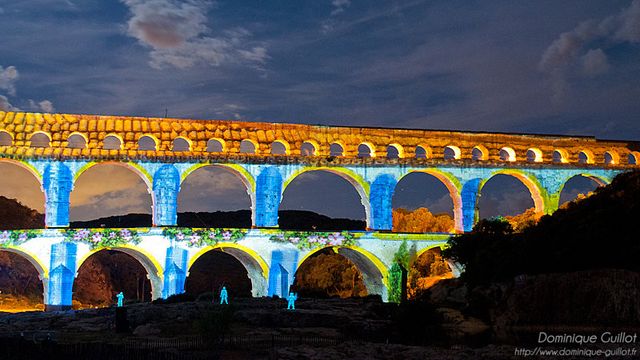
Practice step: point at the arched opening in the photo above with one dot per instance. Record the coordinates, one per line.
(21, 288)
(307, 149)
(611, 158)
(147, 143)
(479, 153)
(365, 151)
(560, 156)
(425, 271)
(507, 196)
(422, 152)
(76, 141)
(393, 152)
(5, 139)
(585, 157)
(215, 269)
(112, 142)
(451, 153)
(104, 274)
(215, 146)
(40, 140)
(534, 155)
(279, 148)
(110, 195)
(181, 144)
(322, 200)
(578, 187)
(328, 274)
(21, 197)
(422, 203)
(633, 158)
(247, 147)
(214, 196)
(336, 149)
(507, 154)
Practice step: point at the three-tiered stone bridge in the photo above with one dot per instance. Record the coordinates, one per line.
(266, 157)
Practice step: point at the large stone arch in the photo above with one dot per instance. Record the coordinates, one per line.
(240, 172)
(374, 272)
(453, 186)
(39, 177)
(38, 264)
(256, 267)
(141, 172)
(137, 169)
(358, 182)
(598, 179)
(147, 260)
(536, 191)
(166, 186)
(25, 165)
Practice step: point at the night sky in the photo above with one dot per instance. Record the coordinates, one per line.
(564, 67)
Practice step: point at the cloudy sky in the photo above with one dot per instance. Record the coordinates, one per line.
(566, 67)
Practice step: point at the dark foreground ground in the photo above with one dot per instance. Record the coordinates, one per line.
(259, 328)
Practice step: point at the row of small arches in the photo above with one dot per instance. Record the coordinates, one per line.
(308, 148)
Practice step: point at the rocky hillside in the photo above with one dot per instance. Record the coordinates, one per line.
(576, 299)
(288, 219)
(14, 215)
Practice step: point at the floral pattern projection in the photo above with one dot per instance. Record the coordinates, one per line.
(96, 238)
(16, 237)
(204, 237)
(305, 240)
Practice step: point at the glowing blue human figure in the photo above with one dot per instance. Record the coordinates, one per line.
(224, 296)
(291, 305)
(120, 297)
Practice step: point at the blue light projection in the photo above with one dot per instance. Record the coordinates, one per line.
(282, 271)
(291, 301)
(268, 194)
(166, 186)
(469, 195)
(381, 201)
(224, 296)
(61, 276)
(57, 182)
(175, 271)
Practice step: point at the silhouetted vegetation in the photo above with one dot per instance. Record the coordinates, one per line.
(288, 219)
(595, 232)
(14, 215)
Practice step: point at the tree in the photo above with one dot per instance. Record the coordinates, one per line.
(487, 253)
(421, 220)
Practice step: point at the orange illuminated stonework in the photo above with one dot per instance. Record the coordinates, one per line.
(196, 135)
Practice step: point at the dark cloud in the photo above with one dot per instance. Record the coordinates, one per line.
(461, 65)
(178, 34)
(564, 51)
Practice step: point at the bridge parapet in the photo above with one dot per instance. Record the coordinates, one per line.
(29, 135)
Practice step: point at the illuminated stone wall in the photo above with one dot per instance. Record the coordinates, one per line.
(270, 256)
(66, 134)
(57, 149)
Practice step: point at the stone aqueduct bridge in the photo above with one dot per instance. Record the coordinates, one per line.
(58, 148)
